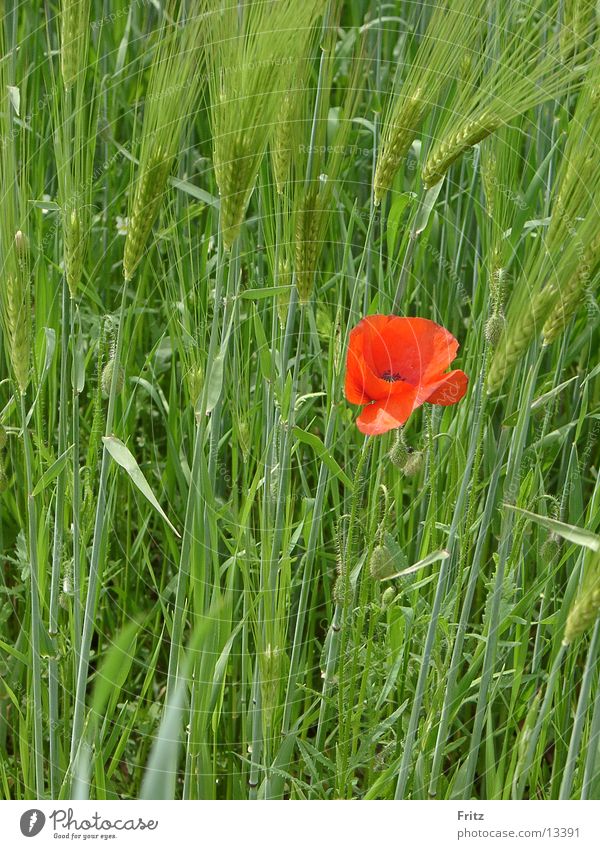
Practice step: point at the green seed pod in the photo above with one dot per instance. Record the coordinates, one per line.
(106, 379)
(399, 453)
(341, 594)
(498, 280)
(3, 438)
(413, 465)
(388, 597)
(550, 549)
(494, 328)
(381, 563)
(3, 478)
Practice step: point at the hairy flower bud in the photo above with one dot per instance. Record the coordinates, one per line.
(106, 380)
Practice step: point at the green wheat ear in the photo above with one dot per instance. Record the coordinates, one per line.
(447, 41)
(579, 20)
(514, 71)
(559, 266)
(14, 244)
(74, 38)
(173, 90)
(586, 607)
(318, 173)
(250, 57)
(578, 179)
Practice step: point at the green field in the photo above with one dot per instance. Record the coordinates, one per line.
(254, 544)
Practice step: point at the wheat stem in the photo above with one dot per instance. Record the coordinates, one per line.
(36, 618)
(95, 565)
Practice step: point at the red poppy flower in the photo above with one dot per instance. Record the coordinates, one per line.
(396, 364)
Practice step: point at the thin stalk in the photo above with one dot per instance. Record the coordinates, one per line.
(280, 510)
(590, 773)
(506, 537)
(469, 482)
(194, 490)
(469, 205)
(407, 259)
(77, 612)
(99, 524)
(421, 682)
(57, 544)
(183, 571)
(580, 714)
(256, 716)
(36, 667)
(257, 741)
(351, 718)
(225, 262)
(306, 585)
(426, 657)
(376, 119)
(521, 778)
(338, 630)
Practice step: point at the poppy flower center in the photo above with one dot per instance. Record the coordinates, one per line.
(391, 377)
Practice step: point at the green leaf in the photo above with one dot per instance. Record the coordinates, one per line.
(527, 203)
(53, 471)
(124, 458)
(286, 398)
(442, 554)
(323, 454)
(215, 382)
(78, 366)
(400, 561)
(422, 217)
(12, 650)
(15, 98)
(264, 352)
(397, 208)
(160, 776)
(572, 533)
(540, 401)
(194, 191)
(264, 292)
(108, 682)
(114, 668)
(50, 336)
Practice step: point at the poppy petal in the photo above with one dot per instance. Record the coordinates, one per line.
(354, 386)
(449, 389)
(416, 349)
(362, 384)
(386, 415)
